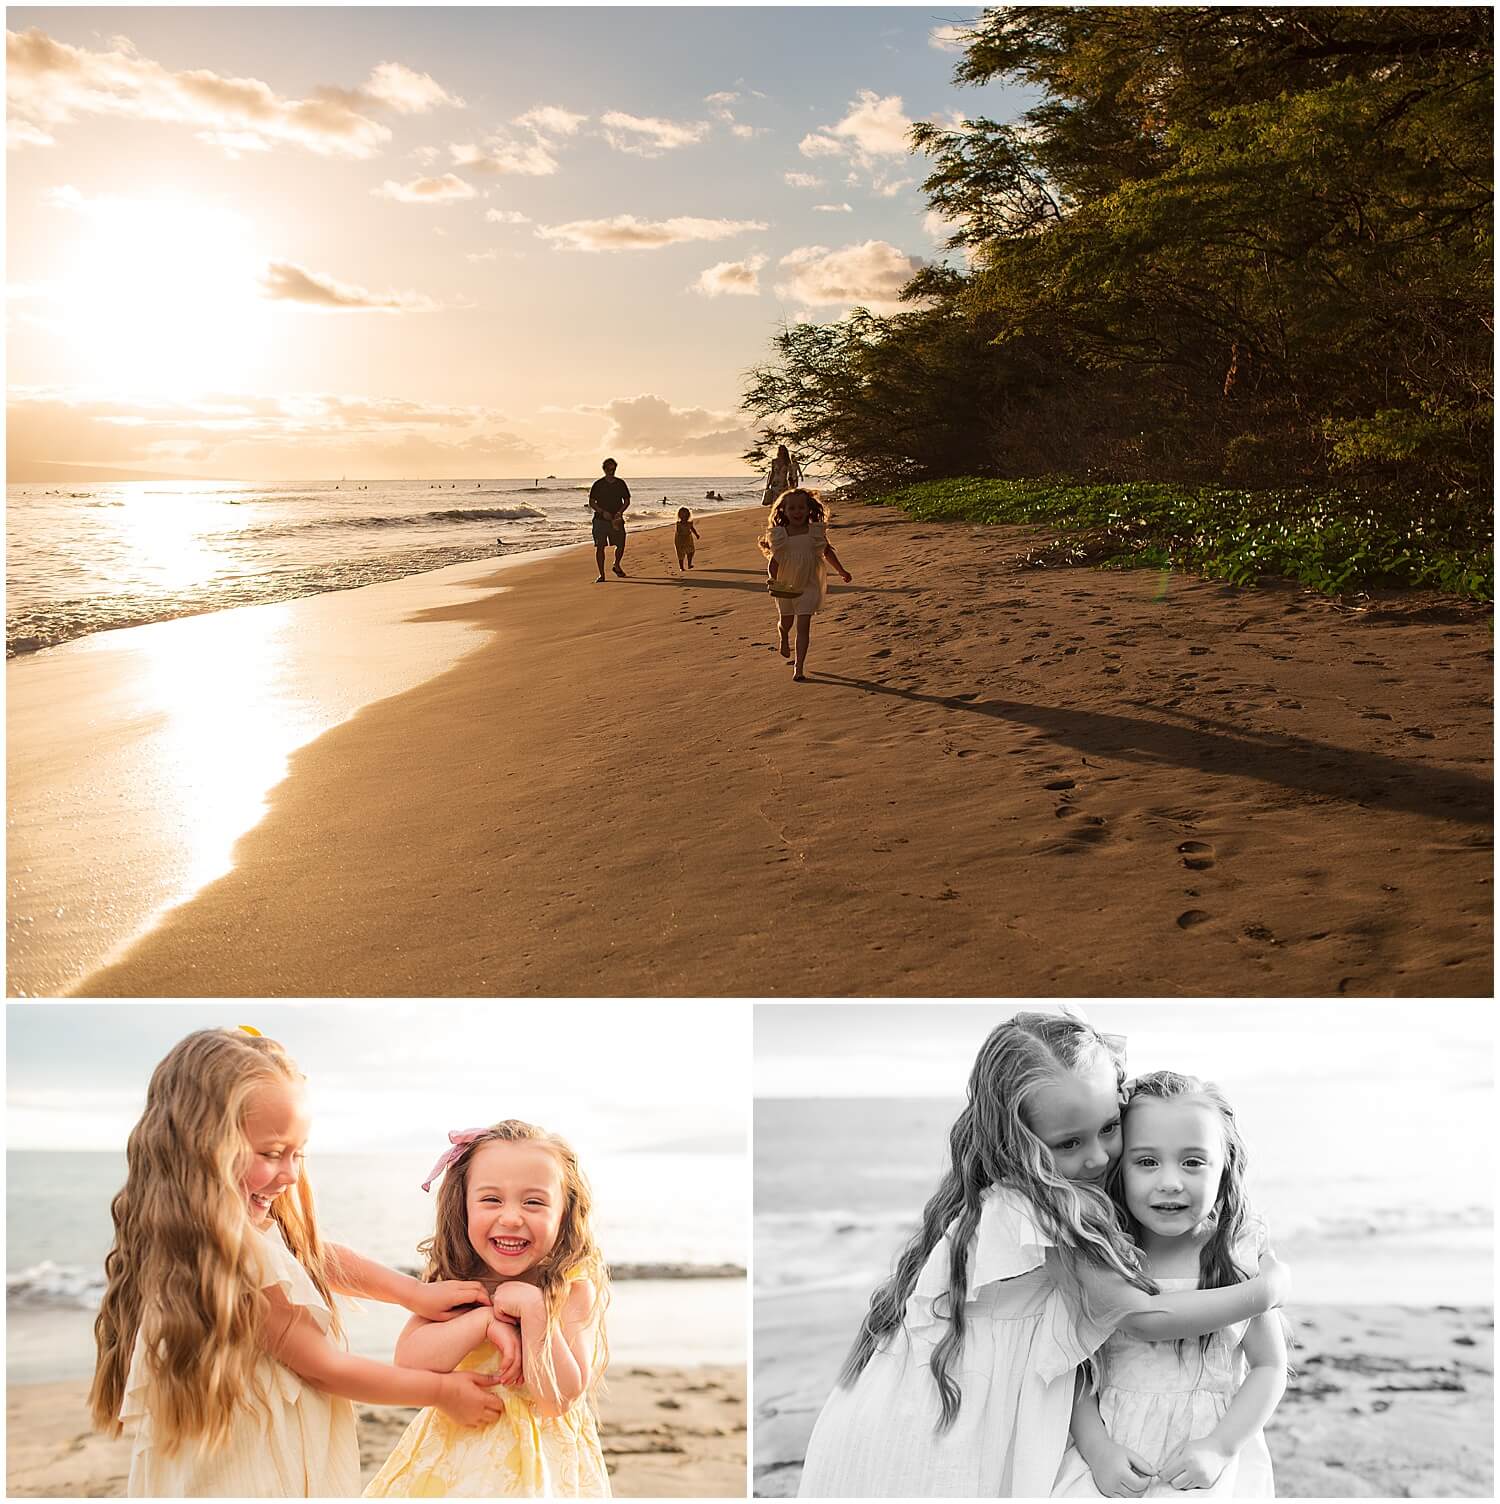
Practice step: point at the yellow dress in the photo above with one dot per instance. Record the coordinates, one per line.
(518, 1455)
(302, 1446)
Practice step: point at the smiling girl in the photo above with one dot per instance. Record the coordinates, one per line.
(960, 1383)
(1172, 1416)
(514, 1212)
(219, 1347)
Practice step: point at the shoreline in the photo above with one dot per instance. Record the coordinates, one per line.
(1385, 1401)
(667, 1432)
(1296, 796)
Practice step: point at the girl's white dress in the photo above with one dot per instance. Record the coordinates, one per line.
(799, 561)
(1153, 1396)
(303, 1446)
(1023, 1340)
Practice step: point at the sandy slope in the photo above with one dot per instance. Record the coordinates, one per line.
(667, 1433)
(999, 781)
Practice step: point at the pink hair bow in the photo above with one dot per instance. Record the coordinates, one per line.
(460, 1139)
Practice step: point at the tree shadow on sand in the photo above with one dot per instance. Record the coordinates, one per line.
(1293, 762)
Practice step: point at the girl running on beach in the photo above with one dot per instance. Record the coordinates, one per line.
(1170, 1416)
(960, 1383)
(514, 1212)
(218, 1344)
(796, 543)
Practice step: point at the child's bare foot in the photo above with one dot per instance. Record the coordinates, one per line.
(600, 580)
(619, 571)
(799, 677)
(785, 648)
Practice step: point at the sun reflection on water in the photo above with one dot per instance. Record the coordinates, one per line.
(227, 725)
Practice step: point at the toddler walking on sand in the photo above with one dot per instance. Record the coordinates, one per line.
(684, 539)
(796, 543)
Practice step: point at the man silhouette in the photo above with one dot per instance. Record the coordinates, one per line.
(608, 498)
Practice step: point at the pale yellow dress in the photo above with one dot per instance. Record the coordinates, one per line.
(302, 1446)
(518, 1455)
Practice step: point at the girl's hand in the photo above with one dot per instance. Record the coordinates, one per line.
(848, 578)
(467, 1397)
(506, 1340)
(516, 1299)
(1196, 1464)
(447, 1298)
(1278, 1279)
(1119, 1473)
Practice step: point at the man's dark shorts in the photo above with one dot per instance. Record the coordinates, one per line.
(606, 533)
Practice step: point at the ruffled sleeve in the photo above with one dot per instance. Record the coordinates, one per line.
(278, 1267)
(777, 539)
(1253, 1241)
(818, 531)
(1010, 1243)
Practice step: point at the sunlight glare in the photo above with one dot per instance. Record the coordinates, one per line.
(162, 295)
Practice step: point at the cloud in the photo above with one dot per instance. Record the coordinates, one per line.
(871, 274)
(747, 132)
(447, 189)
(405, 91)
(832, 209)
(724, 96)
(50, 84)
(627, 233)
(949, 38)
(281, 437)
(731, 278)
(876, 127)
(506, 217)
(551, 120)
(802, 180)
(286, 282)
(819, 145)
(647, 136)
(650, 425)
(500, 155)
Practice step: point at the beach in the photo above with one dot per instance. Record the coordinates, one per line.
(1386, 1401)
(1055, 782)
(667, 1433)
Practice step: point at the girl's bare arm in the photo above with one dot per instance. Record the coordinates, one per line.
(291, 1336)
(1185, 1313)
(571, 1349)
(351, 1273)
(439, 1346)
(1260, 1394)
(833, 559)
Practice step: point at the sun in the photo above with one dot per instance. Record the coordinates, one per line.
(162, 295)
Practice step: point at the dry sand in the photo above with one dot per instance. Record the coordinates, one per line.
(1386, 1402)
(667, 1433)
(999, 781)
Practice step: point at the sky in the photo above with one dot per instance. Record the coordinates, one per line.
(282, 244)
(927, 1049)
(392, 1075)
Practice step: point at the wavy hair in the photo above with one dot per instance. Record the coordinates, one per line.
(183, 1271)
(575, 1254)
(990, 1144)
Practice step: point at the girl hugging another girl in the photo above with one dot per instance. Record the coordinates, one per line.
(962, 1379)
(219, 1349)
(514, 1214)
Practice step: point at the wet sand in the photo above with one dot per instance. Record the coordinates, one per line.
(667, 1433)
(1386, 1401)
(999, 780)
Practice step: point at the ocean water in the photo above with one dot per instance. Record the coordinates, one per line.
(1370, 1199)
(58, 1231)
(89, 558)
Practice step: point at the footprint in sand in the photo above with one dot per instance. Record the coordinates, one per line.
(1189, 918)
(1060, 783)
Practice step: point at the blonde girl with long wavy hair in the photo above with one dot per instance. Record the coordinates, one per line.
(219, 1345)
(961, 1380)
(798, 554)
(514, 1212)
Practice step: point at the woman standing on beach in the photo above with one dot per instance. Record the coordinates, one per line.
(796, 543)
(785, 474)
(514, 1213)
(218, 1345)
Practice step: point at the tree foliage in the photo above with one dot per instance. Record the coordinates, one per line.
(1237, 243)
